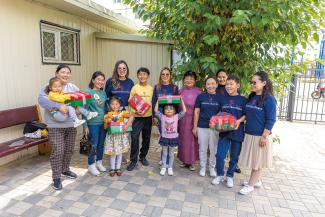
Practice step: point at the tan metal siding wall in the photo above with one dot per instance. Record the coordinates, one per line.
(151, 55)
(22, 73)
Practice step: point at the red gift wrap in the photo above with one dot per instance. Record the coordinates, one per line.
(223, 121)
(139, 104)
(79, 98)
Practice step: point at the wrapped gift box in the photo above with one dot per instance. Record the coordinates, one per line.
(79, 98)
(139, 104)
(117, 127)
(169, 99)
(223, 122)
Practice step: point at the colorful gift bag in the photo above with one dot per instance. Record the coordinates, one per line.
(78, 98)
(117, 127)
(169, 99)
(139, 104)
(223, 122)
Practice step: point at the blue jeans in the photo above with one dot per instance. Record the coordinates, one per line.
(223, 147)
(97, 135)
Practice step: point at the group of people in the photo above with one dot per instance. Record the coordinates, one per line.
(185, 125)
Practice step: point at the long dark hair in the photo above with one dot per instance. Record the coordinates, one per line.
(267, 89)
(93, 77)
(115, 77)
(48, 88)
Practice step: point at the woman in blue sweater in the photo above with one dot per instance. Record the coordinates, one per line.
(120, 84)
(165, 86)
(256, 150)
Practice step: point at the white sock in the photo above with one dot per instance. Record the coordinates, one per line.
(118, 161)
(112, 160)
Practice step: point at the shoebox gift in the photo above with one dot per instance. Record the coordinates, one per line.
(169, 99)
(117, 127)
(223, 122)
(139, 104)
(79, 98)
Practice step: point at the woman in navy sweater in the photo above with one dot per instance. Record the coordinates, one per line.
(120, 84)
(260, 118)
(165, 86)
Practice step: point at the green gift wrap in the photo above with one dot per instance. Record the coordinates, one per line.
(169, 99)
(79, 98)
(117, 127)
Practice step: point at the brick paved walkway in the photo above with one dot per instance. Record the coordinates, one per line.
(294, 187)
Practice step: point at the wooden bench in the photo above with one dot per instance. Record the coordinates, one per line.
(13, 117)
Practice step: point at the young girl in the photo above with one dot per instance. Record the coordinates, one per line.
(117, 144)
(260, 119)
(207, 104)
(54, 90)
(169, 135)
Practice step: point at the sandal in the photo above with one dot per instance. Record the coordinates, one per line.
(118, 172)
(111, 173)
(192, 168)
(182, 165)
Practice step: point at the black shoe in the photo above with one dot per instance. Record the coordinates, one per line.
(237, 170)
(144, 162)
(69, 174)
(57, 185)
(132, 166)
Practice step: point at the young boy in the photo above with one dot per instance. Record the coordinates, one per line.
(234, 104)
(141, 123)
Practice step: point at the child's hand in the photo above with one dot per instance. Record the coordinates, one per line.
(63, 109)
(125, 127)
(237, 124)
(194, 131)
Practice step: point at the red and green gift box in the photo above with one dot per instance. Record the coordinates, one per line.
(169, 99)
(117, 127)
(222, 122)
(79, 98)
(139, 104)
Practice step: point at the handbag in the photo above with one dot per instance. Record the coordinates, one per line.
(31, 127)
(86, 147)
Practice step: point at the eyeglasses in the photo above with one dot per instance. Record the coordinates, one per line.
(121, 69)
(165, 74)
(253, 82)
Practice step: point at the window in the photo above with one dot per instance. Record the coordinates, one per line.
(59, 44)
(117, 1)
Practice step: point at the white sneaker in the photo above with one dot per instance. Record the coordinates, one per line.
(202, 172)
(213, 172)
(258, 184)
(93, 170)
(170, 171)
(230, 182)
(78, 122)
(163, 171)
(91, 115)
(100, 167)
(217, 180)
(246, 190)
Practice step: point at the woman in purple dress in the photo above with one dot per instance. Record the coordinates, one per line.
(188, 150)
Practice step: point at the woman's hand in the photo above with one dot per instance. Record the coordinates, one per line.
(86, 132)
(237, 124)
(263, 141)
(64, 109)
(194, 131)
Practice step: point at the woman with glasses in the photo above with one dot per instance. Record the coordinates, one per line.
(120, 84)
(165, 86)
(256, 152)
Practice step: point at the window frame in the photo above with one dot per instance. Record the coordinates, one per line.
(46, 26)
